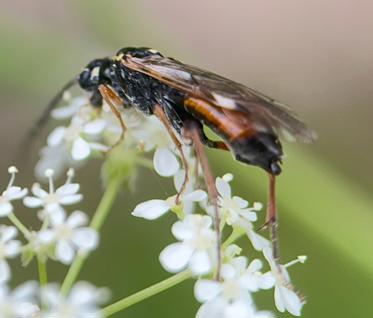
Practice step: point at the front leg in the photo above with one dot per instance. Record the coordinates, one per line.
(159, 112)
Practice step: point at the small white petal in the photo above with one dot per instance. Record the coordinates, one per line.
(195, 196)
(71, 199)
(249, 215)
(228, 177)
(4, 271)
(286, 299)
(255, 265)
(12, 249)
(64, 252)
(32, 202)
(267, 281)
(68, 189)
(227, 271)
(165, 162)
(240, 202)
(200, 263)
(76, 219)
(205, 290)
(15, 193)
(223, 188)
(38, 191)
(8, 233)
(85, 238)
(80, 149)
(151, 210)
(182, 231)
(99, 147)
(56, 136)
(94, 127)
(175, 257)
(46, 236)
(5, 208)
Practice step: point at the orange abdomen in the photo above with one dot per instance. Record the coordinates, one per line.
(229, 124)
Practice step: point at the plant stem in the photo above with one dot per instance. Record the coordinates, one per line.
(43, 274)
(235, 235)
(163, 285)
(98, 219)
(146, 293)
(23, 229)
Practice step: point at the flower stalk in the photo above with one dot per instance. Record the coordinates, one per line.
(146, 293)
(99, 218)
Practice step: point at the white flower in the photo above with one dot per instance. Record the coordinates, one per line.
(9, 248)
(56, 158)
(70, 109)
(53, 200)
(20, 302)
(153, 209)
(148, 132)
(11, 193)
(70, 236)
(195, 249)
(234, 208)
(285, 297)
(82, 302)
(165, 162)
(231, 297)
(80, 134)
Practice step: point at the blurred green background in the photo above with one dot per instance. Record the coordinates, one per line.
(314, 55)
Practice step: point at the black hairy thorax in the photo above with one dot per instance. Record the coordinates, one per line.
(144, 92)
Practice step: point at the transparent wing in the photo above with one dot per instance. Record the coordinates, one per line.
(267, 113)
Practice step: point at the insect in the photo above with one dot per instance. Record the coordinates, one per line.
(186, 98)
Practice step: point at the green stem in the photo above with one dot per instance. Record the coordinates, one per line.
(43, 274)
(235, 235)
(163, 285)
(23, 229)
(146, 293)
(98, 219)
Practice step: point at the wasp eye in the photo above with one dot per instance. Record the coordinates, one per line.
(85, 79)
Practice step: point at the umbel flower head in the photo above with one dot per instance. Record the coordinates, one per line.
(82, 302)
(53, 200)
(9, 248)
(69, 236)
(90, 133)
(195, 249)
(19, 303)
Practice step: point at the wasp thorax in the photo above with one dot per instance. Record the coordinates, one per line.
(139, 52)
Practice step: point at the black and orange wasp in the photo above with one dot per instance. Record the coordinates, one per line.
(185, 98)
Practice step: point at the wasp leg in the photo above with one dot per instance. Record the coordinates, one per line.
(271, 219)
(158, 111)
(113, 100)
(192, 131)
(272, 224)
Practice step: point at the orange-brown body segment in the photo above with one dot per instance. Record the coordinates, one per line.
(229, 123)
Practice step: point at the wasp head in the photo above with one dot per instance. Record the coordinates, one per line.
(93, 75)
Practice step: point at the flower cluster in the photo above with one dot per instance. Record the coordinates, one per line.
(225, 280)
(231, 295)
(61, 237)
